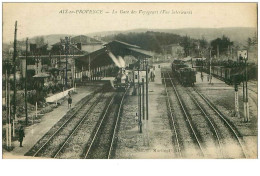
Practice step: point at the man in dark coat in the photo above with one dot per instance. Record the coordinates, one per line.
(69, 101)
(21, 136)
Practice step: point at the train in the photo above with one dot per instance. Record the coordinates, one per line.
(121, 81)
(185, 74)
(230, 72)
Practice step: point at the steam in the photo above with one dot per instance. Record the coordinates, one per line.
(114, 59)
(119, 62)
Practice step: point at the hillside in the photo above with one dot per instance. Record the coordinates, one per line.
(237, 34)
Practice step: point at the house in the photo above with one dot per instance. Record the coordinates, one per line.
(81, 43)
(175, 50)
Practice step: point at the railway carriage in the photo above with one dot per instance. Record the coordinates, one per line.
(185, 74)
(225, 70)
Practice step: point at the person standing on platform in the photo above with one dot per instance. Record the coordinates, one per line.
(21, 136)
(69, 101)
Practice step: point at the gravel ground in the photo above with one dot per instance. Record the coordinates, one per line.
(157, 140)
(76, 145)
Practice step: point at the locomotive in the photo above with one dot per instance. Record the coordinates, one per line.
(121, 80)
(185, 74)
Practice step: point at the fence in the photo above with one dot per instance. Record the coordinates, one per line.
(54, 98)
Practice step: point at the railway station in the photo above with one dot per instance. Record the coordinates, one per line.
(138, 94)
(127, 107)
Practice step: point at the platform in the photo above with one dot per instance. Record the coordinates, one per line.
(35, 132)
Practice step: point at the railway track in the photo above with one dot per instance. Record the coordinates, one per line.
(226, 137)
(172, 119)
(52, 140)
(75, 145)
(232, 145)
(252, 90)
(206, 129)
(189, 140)
(102, 143)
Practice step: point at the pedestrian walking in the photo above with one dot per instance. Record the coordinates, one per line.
(201, 77)
(21, 136)
(69, 101)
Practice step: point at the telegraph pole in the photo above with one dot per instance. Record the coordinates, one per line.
(244, 98)
(210, 77)
(247, 105)
(218, 51)
(90, 75)
(14, 71)
(25, 83)
(8, 105)
(67, 51)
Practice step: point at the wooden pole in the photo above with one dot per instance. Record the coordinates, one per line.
(134, 81)
(218, 51)
(147, 109)
(25, 84)
(210, 76)
(66, 50)
(7, 107)
(14, 72)
(9, 117)
(247, 105)
(36, 108)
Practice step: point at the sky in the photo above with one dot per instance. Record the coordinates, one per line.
(81, 18)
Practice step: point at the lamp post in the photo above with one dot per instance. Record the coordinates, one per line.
(147, 79)
(139, 99)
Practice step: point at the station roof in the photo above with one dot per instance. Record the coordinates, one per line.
(101, 58)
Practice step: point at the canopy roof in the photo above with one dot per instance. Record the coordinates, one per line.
(117, 48)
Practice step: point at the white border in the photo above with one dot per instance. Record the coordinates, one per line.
(129, 167)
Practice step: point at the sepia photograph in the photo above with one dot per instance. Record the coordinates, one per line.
(129, 80)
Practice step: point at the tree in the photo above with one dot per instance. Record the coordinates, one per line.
(204, 45)
(39, 41)
(249, 42)
(186, 44)
(221, 44)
